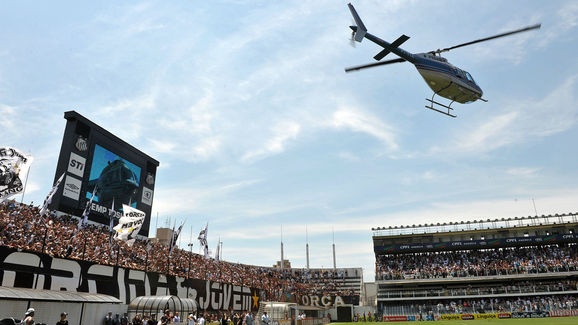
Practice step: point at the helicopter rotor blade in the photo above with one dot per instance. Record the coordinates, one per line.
(537, 26)
(371, 65)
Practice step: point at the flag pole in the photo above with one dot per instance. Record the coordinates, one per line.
(83, 251)
(190, 257)
(42, 253)
(43, 212)
(117, 253)
(25, 183)
(146, 265)
(169, 258)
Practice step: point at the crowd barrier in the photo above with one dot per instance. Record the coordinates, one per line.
(515, 315)
(482, 316)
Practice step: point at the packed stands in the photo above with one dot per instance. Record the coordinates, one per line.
(511, 265)
(499, 261)
(22, 227)
(342, 281)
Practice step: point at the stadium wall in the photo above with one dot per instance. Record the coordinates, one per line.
(20, 269)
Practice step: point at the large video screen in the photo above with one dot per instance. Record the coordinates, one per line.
(90, 157)
(115, 179)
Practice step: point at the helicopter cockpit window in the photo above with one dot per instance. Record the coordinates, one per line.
(469, 77)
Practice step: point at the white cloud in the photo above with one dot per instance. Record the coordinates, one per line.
(171, 200)
(282, 133)
(566, 19)
(523, 171)
(7, 114)
(205, 149)
(348, 156)
(161, 146)
(520, 121)
(426, 176)
(489, 135)
(365, 123)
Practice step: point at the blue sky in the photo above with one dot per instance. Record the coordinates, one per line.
(256, 125)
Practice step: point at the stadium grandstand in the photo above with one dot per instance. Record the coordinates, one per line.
(507, 267)
(24, 231)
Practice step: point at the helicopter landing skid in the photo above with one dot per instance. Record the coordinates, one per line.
(448, 107)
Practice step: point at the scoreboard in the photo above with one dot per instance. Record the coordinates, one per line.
(94, 159)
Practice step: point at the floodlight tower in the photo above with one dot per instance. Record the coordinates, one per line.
(334, 265)
(282, 266)
(307, 246)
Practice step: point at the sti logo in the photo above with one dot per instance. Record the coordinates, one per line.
(76, 164)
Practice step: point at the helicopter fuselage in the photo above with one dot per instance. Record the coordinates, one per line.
(441, 76)
(447, 80)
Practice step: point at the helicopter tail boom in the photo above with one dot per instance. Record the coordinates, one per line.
(359, 30)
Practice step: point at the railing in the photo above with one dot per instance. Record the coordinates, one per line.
(488, 308)
(543, 289)
(477, 272)
(477, 225)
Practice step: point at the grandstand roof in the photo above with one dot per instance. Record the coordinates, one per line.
(515, 222)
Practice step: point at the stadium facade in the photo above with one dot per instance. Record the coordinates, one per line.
(503, 268)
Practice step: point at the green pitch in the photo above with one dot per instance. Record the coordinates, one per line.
(524, 321)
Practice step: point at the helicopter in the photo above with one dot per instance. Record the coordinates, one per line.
(445, 79)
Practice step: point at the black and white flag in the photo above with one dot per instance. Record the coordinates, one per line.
(48, 200)
(13, 164)
(129, 224)
(203, 240)
(175, 238)
(84, 219)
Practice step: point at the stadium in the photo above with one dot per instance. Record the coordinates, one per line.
(74, 253)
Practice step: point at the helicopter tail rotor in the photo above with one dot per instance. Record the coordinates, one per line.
(359, 30)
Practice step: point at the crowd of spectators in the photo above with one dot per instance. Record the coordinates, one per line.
(22, 227)
(487, 305)
(487, 262)
(327, 280)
